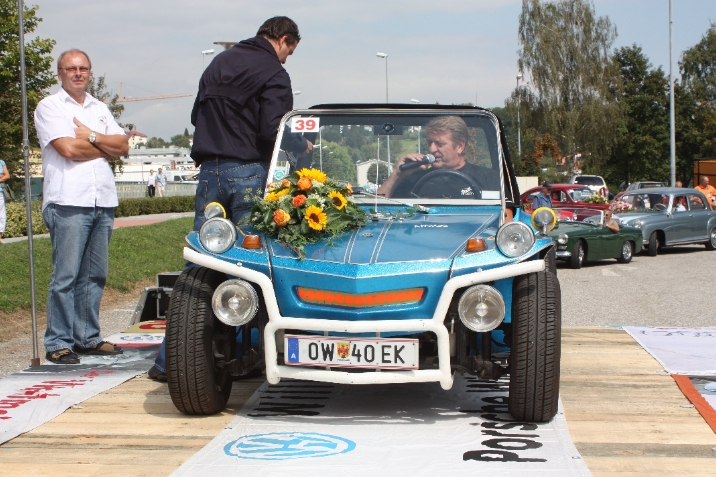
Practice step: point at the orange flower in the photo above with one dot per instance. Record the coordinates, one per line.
(349, 188)
(281, 217)
(285, 183)
(299, 200)
(304, 183)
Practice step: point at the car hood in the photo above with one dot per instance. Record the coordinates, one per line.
(422, 237)
(630, 216)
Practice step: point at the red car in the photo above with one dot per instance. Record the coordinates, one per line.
(563, 196)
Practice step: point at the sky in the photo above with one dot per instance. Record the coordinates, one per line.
(448, 52)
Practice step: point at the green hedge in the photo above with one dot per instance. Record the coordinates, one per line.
(17, 216)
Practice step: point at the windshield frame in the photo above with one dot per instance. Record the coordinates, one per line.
(372, 112)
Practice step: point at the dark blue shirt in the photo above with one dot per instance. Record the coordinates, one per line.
(243, 94)
(541, 200)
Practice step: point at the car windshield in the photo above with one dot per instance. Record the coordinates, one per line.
(365, 149)
(589, 181)
(580, 194)
(645, 202)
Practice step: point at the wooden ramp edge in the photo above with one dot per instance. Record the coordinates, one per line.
(626, 416)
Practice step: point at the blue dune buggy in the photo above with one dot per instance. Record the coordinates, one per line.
(447, 276)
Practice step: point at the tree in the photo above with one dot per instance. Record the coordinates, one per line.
(337, 162)
(641, 150)
(696, 104)
(382, 173)
(38, 76)
(98, 89)
(156, 142)
(566, 53)
(180, 140)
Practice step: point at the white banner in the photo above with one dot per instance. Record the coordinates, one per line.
(689, 351)
(300, 428)
(34, 396)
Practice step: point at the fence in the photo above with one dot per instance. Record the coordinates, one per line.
(131, 190)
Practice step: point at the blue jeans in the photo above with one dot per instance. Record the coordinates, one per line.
(80, 256)
(228, 182)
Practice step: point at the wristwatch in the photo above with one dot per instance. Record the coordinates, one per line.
(92, 137)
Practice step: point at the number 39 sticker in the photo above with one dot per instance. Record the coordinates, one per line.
(301, 125)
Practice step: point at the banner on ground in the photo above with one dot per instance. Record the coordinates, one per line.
(688, 351)
(307, 429)
(34, 396)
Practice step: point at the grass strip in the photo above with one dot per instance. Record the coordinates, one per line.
(135, 254)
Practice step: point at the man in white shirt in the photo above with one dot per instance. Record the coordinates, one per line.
(151, 182)
(77, 133)
(160, 181)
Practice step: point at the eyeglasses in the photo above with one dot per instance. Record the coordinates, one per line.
(73, 69)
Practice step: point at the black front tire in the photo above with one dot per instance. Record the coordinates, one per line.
(195, 341)
(654, 244)
(711, 242)
(536, 347)
(627, 252)
(578, 255)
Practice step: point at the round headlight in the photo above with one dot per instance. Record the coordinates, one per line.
(637, 223)
(235, 302)
(562, 239)
(515, 239)
(481, 308)
(217, 235)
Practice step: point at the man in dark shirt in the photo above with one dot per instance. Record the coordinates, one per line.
(243, 94)
(447, 138)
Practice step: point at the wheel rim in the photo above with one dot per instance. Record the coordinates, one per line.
(626, 251)
(713, 237)
(580, 254)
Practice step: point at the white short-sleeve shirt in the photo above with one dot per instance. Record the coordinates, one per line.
(77, 183)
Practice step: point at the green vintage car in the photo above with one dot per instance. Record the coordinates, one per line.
(591, 239)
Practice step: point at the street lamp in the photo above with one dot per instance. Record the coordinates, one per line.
(205, 53)
(519, 143)
(385, 56)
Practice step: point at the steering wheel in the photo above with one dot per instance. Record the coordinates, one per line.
(659, 207)
(445, 179)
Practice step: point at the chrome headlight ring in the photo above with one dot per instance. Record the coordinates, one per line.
(515, 239)
(218, 235)
(481, 308)
(235, 302)
(562, 239)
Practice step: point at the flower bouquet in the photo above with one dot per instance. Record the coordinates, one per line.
(596, 199)
(619, 206)
(304, 208)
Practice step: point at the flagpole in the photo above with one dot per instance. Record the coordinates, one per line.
(28, 193)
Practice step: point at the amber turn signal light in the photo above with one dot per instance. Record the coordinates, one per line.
(475, 245)
(251, 241)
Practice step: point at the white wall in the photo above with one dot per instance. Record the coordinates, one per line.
(527, 182)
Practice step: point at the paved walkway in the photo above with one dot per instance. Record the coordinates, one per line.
(124, 222)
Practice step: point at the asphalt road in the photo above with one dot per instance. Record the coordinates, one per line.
(675, 288)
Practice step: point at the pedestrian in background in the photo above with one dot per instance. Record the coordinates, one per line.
(708, 190)
(160, 182)
(678, 184)
(151, 181)
(77, 134)
(243, 94)
(543, 198)
(3, 177)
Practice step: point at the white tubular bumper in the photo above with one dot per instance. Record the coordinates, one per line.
(443, 374)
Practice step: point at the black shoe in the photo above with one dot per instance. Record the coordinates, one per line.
(157, 375)
(103, 348)
(62, 356)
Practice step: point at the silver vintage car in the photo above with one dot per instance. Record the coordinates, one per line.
(668, 216)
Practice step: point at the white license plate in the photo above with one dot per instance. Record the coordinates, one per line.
(376, 353)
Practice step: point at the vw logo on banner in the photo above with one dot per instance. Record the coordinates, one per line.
(288, 445)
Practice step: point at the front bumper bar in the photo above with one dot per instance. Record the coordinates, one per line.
(443, 374)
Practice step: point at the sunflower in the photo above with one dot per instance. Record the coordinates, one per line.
(337, 199)
(349, 188)
(316, 218)
(313, 174)
(274, 196)
(281, 217)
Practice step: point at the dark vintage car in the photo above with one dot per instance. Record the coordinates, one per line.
(668, 216)
(442, 281)
(590, 239)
